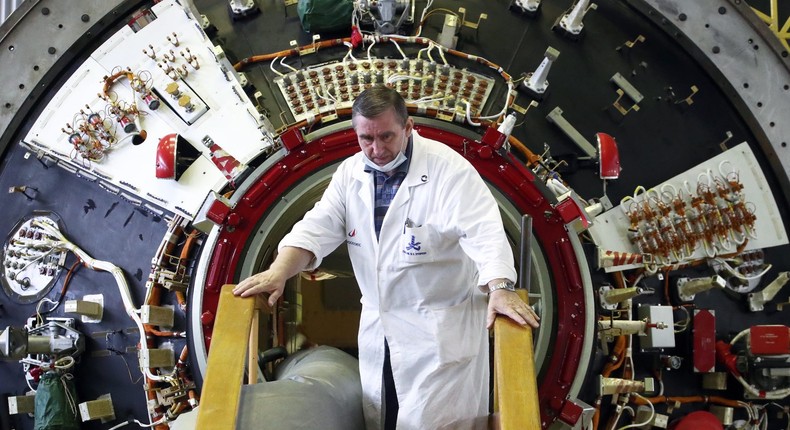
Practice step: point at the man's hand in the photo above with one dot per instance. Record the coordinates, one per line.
(269, 281)
(509, 303)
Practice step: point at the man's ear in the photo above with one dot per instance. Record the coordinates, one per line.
(409, 125)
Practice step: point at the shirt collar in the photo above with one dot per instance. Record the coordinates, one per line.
(403, 167)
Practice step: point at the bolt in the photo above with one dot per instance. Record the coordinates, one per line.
(85, 17)
(682, 17)
(45, 11)
(722, 10)
(716, 49)
(52, 50)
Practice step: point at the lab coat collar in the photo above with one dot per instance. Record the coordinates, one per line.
(417, 175)
(418, 169)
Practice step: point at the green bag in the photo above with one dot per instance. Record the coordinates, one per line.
(325, 15)
(55, 398)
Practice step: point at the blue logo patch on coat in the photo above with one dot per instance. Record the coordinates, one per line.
(414, 247)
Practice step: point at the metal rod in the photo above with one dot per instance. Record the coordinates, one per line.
(525, 250)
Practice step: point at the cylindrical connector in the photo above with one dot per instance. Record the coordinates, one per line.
(688, 288)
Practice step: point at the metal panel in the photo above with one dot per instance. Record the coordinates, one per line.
(747, 60)
(38, 36)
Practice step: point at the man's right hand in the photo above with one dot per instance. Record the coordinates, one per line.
(269, 281)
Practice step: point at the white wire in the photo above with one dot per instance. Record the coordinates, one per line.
(399, 50)
(271, 66)
(419, 53)
(46, 299)
(469, 116)
(739, 336)
(428, 99)
(742, 276)
(370, 47)
(397, 78)
(69, 363)
(645, 422)
(441, 54)
(286, 65)
(422, 17)
(141, 424)
(349, 54)
(29, 386)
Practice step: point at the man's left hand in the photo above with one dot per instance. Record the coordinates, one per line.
(509, 303)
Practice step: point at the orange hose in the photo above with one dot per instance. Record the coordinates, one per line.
(532, 158)
(687, 399)
(288, 52)
(190, 242)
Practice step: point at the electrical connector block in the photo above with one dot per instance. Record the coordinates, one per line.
(659, 421)
(723, 413)
(714, 381)
(157, 358)
(21, 404)
(90, 308)
(157, 315)
(99, 409)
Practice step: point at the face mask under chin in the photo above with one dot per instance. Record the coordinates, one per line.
(392, 165)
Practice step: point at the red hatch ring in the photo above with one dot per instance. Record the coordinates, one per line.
(508, 175)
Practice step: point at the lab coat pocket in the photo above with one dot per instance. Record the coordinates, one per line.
(458, 339)
(417, 245)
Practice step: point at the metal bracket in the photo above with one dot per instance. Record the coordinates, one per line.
(555, 117)
(625, 88)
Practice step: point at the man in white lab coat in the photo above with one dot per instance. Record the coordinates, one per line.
(423, 232)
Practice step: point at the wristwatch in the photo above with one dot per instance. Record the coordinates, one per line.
(504, 285)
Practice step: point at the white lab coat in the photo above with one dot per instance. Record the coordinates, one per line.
(441, 237)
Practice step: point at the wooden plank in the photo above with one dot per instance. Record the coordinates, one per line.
(252, 350)
(515, 378)
(225, 369)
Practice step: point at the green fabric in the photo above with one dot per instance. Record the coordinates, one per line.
(325, 15)
(53, 410)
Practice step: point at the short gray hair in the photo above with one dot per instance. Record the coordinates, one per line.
(378, 99)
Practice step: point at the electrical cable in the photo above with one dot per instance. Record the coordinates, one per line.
(646, 421)
(62, 243)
